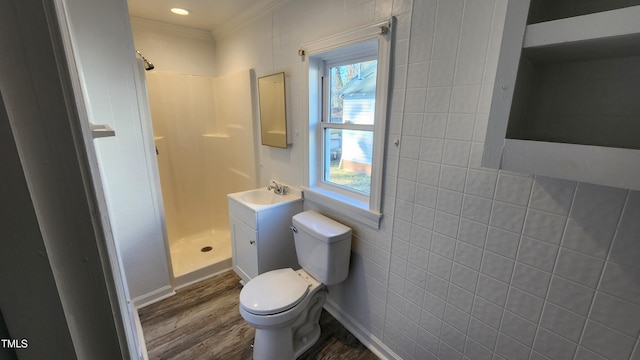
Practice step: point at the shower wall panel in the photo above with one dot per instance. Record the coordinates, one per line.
(204, 135)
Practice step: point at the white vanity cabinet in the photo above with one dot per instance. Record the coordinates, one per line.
(566, 101)
(260, 234)
(244, 248)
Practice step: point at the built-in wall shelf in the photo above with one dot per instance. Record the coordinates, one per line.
(215, 135)
(586, 163)
(620, 26)
(566, 101)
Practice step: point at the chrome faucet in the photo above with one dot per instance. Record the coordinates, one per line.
(277, 189)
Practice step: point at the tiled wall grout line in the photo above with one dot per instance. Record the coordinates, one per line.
(509, 285)
(391, 223)
(613, 240)
(553, 269)
(455, 68)
(495, 190)
(475, 291)
(435, 26)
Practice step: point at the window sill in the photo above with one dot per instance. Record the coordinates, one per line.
(351, 208)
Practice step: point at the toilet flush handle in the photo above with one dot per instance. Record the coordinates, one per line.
(293, 228)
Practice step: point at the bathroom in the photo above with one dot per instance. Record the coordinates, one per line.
(508, 265)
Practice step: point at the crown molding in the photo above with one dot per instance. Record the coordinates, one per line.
(172, 28)
(247, 16)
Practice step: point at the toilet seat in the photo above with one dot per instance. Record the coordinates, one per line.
(273, 292)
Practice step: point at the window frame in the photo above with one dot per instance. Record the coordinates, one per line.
(347, 47)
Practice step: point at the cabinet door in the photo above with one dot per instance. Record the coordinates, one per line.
(245, 250)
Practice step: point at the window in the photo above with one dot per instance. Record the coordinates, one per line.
(347, 98)
(348, 125)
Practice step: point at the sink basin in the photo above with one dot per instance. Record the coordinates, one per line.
(263, 197)
(260, 199)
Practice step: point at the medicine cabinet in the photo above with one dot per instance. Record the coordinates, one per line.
(273, 110)
(566, 101)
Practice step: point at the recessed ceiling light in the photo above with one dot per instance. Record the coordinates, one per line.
(179, 11)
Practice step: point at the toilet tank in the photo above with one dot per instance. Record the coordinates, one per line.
(323, 246)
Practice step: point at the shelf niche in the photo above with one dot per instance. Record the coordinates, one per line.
(567, 95)
(592, 102)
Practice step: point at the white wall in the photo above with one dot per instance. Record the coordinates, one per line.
(173, 48)
(104, 51)
(468, 261)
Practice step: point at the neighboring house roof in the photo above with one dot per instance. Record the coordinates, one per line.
(365, 85)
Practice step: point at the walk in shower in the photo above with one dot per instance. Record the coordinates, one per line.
(203, 132)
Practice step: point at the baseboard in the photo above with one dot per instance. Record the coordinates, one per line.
(367, 339)
(153, 297)
(142, 344)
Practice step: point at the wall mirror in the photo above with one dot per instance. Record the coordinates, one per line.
(273, 114)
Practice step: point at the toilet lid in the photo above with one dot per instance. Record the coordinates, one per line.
(273, 292)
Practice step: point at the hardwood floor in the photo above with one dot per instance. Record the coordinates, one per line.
(202, 321)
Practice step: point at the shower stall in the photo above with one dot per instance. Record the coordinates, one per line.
(203, 132)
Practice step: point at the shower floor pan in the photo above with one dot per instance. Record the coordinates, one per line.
(200, 256)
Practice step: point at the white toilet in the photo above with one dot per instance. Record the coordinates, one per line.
(284, 305)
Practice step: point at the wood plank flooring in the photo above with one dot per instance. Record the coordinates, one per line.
(202, 321)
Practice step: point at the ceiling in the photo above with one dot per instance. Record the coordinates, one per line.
(209, 15)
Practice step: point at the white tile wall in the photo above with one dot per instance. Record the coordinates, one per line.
(469, 262)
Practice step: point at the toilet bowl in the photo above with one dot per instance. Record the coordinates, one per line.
(286, 324)
(284, 305)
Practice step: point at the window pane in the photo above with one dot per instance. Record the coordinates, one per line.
(353, 93)
(347, 160)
